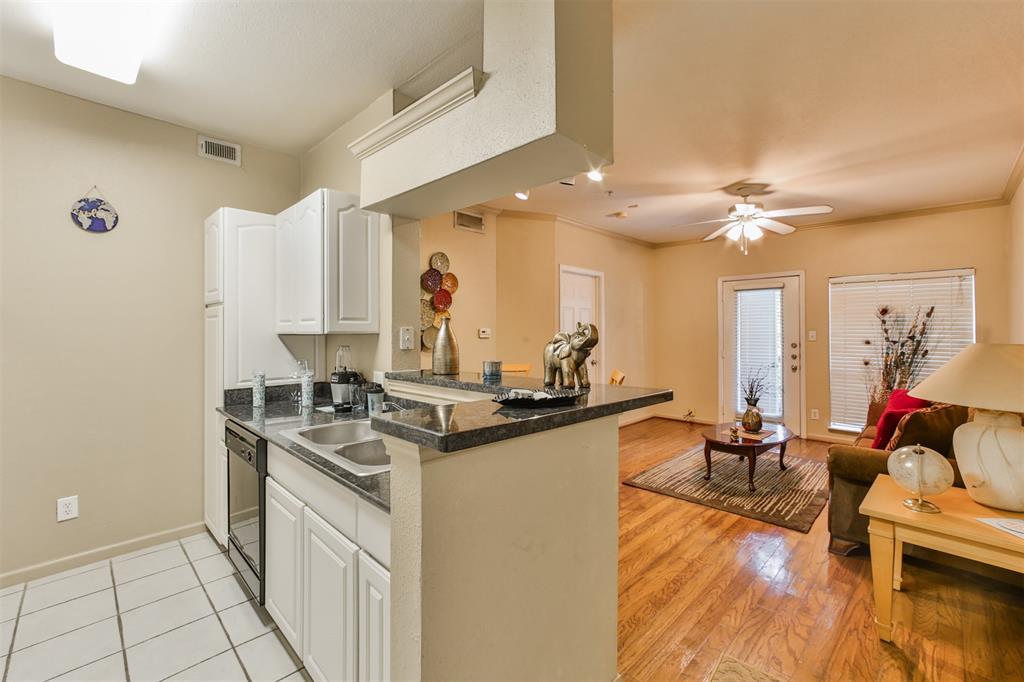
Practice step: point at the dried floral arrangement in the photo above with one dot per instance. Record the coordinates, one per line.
(905, 345)
(756, 383)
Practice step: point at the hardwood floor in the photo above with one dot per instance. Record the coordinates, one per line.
(696, 583)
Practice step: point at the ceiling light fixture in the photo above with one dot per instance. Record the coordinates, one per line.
(523, 195)
(108, 39)
(595, 175)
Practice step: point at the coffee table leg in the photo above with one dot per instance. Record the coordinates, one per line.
(751, 461)
(707, 460)
(782, 453)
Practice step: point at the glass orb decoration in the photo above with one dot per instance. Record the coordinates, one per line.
(922, 471)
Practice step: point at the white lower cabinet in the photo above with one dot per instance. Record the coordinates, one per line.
(374, 620)
(284, 562)
(329, 597)
(329, 578)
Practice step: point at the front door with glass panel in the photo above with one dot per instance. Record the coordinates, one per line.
(761, 343)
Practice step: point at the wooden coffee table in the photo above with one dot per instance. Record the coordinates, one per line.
(718, 438)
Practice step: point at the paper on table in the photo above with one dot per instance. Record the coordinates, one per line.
(1014, 527)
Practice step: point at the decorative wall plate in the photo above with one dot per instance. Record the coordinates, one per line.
(440, 315)
(442, 300)
(430, 280)
(426, 313)
(449, 282)
(439, 261)
(429, 337)
(94, 214)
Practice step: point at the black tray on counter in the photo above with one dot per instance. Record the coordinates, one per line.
(560, 397)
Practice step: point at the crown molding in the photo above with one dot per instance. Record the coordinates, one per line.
(457, 91)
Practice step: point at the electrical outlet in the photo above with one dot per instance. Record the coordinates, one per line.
(405, 338)
(67, 508)
(812, 335)
(815, 414)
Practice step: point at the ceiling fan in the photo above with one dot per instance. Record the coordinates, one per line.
(747, 221)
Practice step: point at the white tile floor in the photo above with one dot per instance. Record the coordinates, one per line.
(175, 611)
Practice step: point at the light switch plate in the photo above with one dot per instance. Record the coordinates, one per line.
(67, 508)
(483, 333)
(815, 414)
(405, 338)
(812, 336)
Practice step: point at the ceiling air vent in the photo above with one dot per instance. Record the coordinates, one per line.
(219, 150)
(469, 221)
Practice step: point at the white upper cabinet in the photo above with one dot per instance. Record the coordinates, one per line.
(328, 266)
(213, 270)
(250, 342)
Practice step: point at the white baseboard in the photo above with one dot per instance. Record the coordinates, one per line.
(46, 568)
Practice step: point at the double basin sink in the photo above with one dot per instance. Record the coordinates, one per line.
(352, 445)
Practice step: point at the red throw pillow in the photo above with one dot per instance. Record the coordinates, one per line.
(900, 404)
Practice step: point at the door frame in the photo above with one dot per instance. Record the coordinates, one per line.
(599, 276)
(802, 333)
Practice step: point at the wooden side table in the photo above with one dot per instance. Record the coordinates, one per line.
(955, 531)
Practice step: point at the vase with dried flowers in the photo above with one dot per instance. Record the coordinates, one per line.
(904, 345)
(754, 386)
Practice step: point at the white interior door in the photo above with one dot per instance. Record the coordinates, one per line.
(580, 294)
(761, 337)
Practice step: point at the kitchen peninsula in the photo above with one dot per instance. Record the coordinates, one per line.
(504, 530)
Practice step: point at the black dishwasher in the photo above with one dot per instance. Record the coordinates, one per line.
(247, 494)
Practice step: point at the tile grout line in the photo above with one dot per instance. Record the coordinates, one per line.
(120, 626)
(29, 586)
(216, 613)
(14, 634)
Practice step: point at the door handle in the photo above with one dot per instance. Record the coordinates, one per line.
(594, 363)
(793, 367)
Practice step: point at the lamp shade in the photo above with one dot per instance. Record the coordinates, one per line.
(989, 376)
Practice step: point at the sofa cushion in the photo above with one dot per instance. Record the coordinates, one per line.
(900, 404)
(931, 427)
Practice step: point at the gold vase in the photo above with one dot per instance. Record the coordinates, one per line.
(752, 421)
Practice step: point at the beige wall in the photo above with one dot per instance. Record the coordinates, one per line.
(686, 279)
(102, 334)
(1016, 266)
(472, 257)
(330, 164)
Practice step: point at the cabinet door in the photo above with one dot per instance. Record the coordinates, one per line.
(284, 562)
(353, 265)
(329, 577)
(374, 620)
(213, 397)
(250, 341)
(213, 274)
(299, 281)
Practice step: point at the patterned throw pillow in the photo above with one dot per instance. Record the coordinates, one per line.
(931, 426)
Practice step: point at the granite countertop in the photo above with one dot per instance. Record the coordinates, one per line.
(449, 428)
(281, 415)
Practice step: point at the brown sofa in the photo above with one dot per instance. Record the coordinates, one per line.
(853, 468)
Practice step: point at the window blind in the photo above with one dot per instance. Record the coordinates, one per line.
(759, 349)
(853, 306)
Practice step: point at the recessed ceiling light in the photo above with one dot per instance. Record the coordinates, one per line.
(595, 175)
(523, 195)
(108, 39)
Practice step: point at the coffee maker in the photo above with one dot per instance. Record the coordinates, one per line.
(344, 379)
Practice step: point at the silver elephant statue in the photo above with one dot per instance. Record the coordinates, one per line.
(565, 357)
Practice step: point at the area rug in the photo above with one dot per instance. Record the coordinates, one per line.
(792, 498)
(732, 670)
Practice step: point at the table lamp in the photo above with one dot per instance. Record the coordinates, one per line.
(990, 449)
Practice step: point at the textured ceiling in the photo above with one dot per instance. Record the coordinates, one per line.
(279, 74)
(873, 107)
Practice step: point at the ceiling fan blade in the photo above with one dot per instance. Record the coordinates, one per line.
(775, 226)
(803, 210)
(708, 222)
(720, 231)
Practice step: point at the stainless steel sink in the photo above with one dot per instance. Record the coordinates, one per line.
(352, 445)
